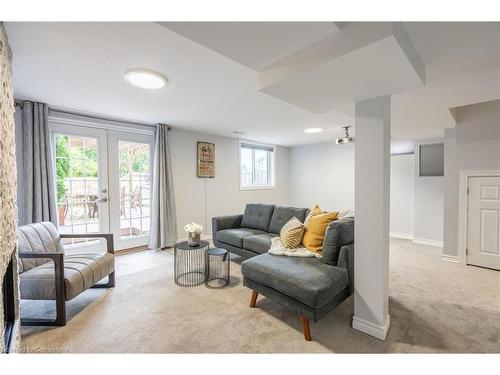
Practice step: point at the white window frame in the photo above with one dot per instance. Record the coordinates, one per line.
(271, 165)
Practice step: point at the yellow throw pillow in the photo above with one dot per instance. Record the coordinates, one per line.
(291, 233)
(314, 211)
(315, 227)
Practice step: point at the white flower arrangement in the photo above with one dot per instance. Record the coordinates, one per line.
(193, 228)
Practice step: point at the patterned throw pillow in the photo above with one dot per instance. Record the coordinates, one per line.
(291, 233)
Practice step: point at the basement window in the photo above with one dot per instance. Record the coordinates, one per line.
(256, 166)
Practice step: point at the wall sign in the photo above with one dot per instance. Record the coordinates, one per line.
(206, 160)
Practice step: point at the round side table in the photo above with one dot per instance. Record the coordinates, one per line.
(218, 268)
(190, 264)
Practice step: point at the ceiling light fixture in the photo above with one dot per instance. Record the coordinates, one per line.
(346, 139)
(145, 79)
(313, 130)
(238, 132)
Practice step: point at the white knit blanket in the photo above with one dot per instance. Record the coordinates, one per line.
(277, 248)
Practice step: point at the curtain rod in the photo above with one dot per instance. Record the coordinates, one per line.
(19, 103)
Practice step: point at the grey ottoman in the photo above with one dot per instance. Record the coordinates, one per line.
(308, 286)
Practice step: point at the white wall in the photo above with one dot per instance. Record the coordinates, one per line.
(429, 204)
(305, 175)
(402, 195)
(478, 122)
(199, 199)
(473, 145)
(323, 174)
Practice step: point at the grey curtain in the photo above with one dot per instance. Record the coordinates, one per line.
(39, 190)
(162, 231)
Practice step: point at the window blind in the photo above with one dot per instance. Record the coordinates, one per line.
(257, 147)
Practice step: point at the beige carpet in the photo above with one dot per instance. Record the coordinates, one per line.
(435, 306)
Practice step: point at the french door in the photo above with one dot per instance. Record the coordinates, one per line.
(103, 182)
(130, 176)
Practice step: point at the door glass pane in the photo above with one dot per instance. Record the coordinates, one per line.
(77, 186)
(135, 182)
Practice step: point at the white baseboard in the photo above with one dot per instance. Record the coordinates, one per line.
(420, 241)
(376, 330)
(425, 241)
(403, 236)
(450, 258)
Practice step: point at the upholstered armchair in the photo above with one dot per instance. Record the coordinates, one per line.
(48, 273)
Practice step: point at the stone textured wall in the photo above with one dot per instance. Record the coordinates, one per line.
(7, 163)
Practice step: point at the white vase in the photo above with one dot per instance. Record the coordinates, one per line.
(193, 239)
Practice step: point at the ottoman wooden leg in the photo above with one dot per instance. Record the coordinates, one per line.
(254, 298)
(305, 328)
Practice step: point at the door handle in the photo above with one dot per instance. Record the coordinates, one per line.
(102, 200)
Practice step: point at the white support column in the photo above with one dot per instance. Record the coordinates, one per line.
(371, 208)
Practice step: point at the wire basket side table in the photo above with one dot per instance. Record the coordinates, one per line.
(218, 273)
(190, 264)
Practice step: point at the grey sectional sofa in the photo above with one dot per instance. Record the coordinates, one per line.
(310, 286)
(249, 234)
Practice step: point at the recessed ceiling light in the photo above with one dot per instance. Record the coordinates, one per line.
(237, 132)
(145, 79)
(313, 130)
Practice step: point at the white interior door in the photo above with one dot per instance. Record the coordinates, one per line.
(484, 222)
(130, 181)
(81, 172)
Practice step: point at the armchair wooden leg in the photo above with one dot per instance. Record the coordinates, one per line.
(305, 328)
(254, 298)
(61, 310)
(109, 284)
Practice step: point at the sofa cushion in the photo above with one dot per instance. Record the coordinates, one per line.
(81, 271)
(339, 233)
(281, 216)
(259, 243)
(235, 236)
(307, 280)
(257, 216)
